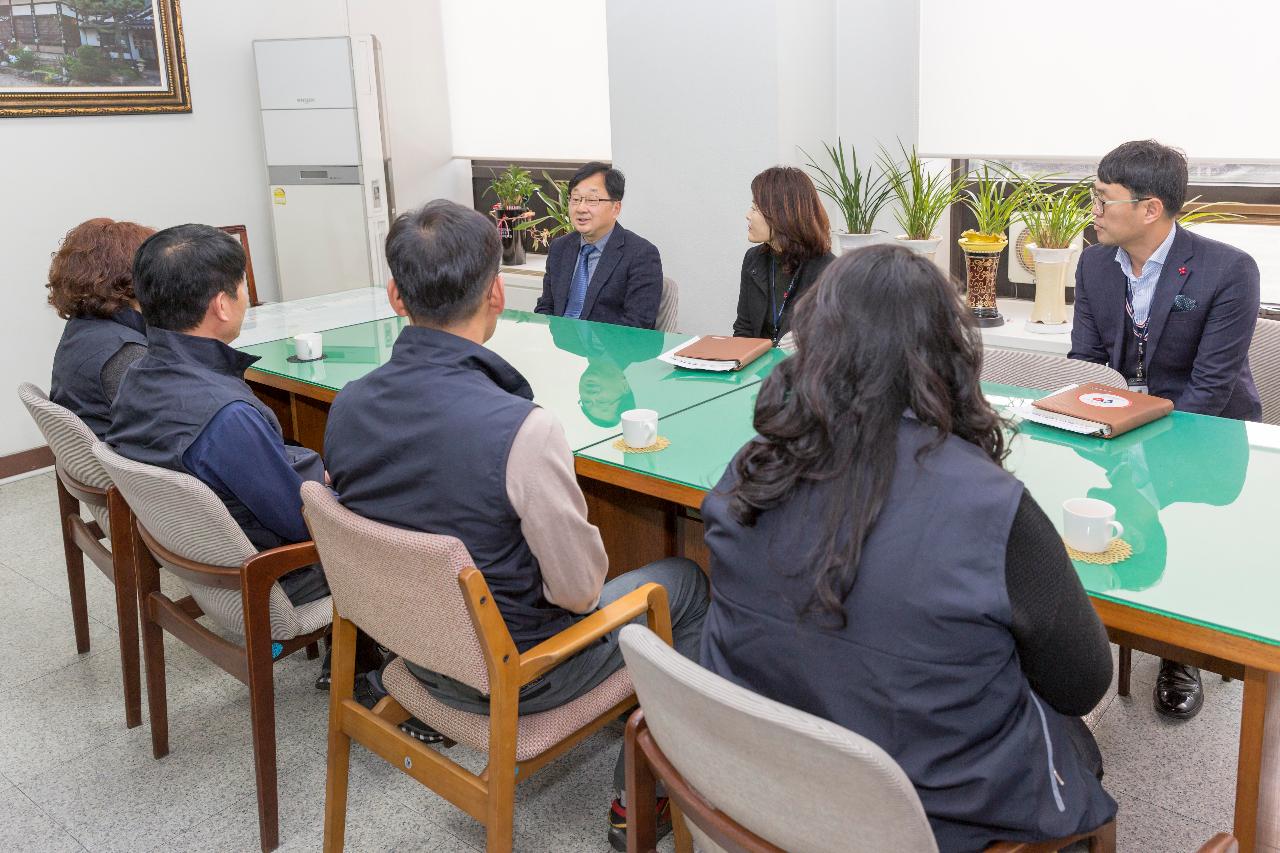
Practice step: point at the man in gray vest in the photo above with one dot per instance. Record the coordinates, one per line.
(185, 405)
(446, 438)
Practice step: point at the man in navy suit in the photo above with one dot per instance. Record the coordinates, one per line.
(1170, 310)
(603, 272)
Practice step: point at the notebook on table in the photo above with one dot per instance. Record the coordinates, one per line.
(1095, 409)
(718, 353)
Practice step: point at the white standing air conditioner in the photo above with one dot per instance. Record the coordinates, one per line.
(325, 143)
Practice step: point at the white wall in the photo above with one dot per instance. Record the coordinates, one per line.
(704, 96)
(205, 166)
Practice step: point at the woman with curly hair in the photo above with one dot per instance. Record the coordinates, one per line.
(787, 221)
(91, 287)
(874, 564)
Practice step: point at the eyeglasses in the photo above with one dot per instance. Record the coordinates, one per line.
(583, 201)
(1100, 203)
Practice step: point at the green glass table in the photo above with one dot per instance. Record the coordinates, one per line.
(586, 373)
(1194, 494)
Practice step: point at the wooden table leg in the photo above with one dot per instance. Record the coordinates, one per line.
(1249, 766)
(1269, 796)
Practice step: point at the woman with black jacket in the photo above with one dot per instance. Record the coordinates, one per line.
(788, 223)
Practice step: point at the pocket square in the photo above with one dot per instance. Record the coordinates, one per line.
(1182, 302)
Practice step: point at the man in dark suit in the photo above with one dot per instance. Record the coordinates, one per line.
(1172, 311)
(603, 272)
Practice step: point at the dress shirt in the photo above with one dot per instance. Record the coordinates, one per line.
(239, 453)
(1144, 286)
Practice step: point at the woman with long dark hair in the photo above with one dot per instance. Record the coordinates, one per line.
(789, 225)
(91, 287)
(875, 565)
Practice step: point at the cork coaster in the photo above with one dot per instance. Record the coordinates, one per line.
(661, 444)
(1117, 551)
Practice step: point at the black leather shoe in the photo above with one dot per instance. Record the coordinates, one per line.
(1179, 693)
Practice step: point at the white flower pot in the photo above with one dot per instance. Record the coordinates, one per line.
(848, 242)
(1050, 308)
(928, 248)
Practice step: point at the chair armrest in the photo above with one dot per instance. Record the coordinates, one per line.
(649, 599)
(1223, 842)
(268, 566)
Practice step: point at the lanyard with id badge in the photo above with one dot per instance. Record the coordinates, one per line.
(775, 309)
(1138, 382)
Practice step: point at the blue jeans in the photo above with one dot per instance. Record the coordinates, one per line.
(687, 595)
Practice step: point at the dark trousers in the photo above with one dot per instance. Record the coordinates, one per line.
(687, 594)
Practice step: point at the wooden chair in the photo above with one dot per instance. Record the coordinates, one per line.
(1264, 362)
(81, 479)
(755, 775)
(241, 233)
(1043, 371)
(177, 522)
(420, 596)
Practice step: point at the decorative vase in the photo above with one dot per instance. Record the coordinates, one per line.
(981, 259)
(1049, 313)
(848, 242)
(928, 248)
(512, 240)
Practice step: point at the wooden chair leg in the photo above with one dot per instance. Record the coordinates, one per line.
(68, 508)
(642, 829)
(683, 840)
(1104, 840)
(147, 581)
(1126, 670)
(500, 822)
(262, 710)
(341, 687)
(126, 608)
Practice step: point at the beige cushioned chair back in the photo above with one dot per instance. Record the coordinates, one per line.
(69, 438)
(1043, 371)
(795, 780)
(1264, 361)
(668, 306)
(187, 518)
(399, 586)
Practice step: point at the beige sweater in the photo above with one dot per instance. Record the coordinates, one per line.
(553, 514)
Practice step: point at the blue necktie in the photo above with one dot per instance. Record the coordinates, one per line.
(578, 287)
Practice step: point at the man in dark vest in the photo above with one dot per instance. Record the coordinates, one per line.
(445, 438)
(185, 405)
(1171, 310)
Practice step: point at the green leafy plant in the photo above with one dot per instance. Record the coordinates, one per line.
(859, 196)
(557, 215)
(513, 187)
(25, 59)
(90, 65)
(1194, 214)
(995, 197)
(923, 196)
(1055, 217)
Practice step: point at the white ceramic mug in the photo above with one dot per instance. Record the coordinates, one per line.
(308, 346)
(639, 427)
(1089, 524)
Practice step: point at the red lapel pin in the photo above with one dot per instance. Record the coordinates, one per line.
(1182, 270)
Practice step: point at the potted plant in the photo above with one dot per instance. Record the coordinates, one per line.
(993, 199)
(859, 196)
(1054, 219)
(923, 197)
(1196, 212)
(557, 215)
(513, 187)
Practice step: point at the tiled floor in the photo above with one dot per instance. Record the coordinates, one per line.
(73, 778)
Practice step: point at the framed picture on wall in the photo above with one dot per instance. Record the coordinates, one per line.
(92, 57)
